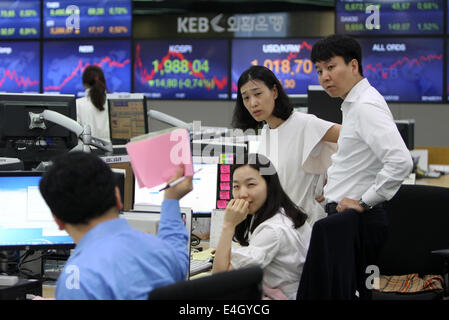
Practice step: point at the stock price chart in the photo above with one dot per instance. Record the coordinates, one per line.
(404, 70)
(182, 69)
(289, 59)
(395, 17)
(20, 66)
(20, 19)
(86, 18)
(65, 61)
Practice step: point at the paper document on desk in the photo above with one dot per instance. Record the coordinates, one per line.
(156, 156)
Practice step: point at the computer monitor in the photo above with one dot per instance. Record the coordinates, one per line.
(33, 145)
(127, 116)
(26, 221)
(202, 199)
(322, 105)
(407, 130)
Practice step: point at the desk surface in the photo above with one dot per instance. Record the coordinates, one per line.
(442, 181)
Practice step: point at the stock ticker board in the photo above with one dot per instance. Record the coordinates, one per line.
(20, 19)
(87, 19)
(413, 17)
(65, 61)
(182, 69)
(20, 66)
(289, 59)
(404, 69)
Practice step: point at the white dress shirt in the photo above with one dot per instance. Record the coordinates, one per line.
(300, 158)
(87, 113)
(372, 159)
(279, 249)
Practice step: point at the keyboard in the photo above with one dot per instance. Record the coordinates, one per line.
(198, 266)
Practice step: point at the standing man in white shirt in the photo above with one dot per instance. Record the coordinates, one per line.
(372, 160)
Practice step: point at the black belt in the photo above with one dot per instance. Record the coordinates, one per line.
(331, 207)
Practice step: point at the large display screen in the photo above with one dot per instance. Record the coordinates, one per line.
(20, 19)
(289, 59)
(404, 69)
(182, 69)
(391, 17)
(65, 61)
(20, 66)
(87, 18)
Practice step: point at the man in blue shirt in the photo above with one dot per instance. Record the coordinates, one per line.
(112, 260)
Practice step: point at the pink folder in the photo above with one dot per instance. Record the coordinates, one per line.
(155, 157)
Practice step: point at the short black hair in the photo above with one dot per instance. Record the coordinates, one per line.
(78, 187)
(276, 198)
(337, 45)
(241, 118)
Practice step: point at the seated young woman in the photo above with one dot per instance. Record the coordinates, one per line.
(271, 231)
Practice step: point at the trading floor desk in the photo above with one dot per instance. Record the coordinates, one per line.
(442, 181)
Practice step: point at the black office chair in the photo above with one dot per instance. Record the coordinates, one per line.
(418, 225)
(239, 284)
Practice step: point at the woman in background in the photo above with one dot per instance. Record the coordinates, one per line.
(92, 109)
(272, 231)
(299, 145)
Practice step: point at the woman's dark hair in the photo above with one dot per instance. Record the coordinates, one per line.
(337, 45)
(276, 199)
(241, 118)
(93, 77)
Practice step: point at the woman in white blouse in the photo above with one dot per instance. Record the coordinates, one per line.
(299, 145)
(271, 230)
(92, 109)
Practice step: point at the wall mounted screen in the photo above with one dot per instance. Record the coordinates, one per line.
(289, 59)
(20, 19)
(20, 66)
(182, 69)
(65, 61)
(415, 17)
(405, 69)
(87, 18)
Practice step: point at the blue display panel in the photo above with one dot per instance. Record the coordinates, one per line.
(20, 19)
(405, 70)
(65, 61)
(289, 59)
(395, 17)
(20, 66)
(182, 69)
(87, 18)
(25, 219)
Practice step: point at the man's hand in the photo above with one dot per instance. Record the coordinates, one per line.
(181, 189)
(347, 203)
(236, 212)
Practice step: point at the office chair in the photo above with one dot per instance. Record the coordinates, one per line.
(418, 224)
(239, 284)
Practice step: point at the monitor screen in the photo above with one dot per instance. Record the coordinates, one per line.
(289, 59)
(201, 199)
(20, 19)
(86, 18)
(404, 69)
(25, 219)
(65, 61)
(182, 69)
(394, 17)
(20, 66)
(35, 142)
(127, 116)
